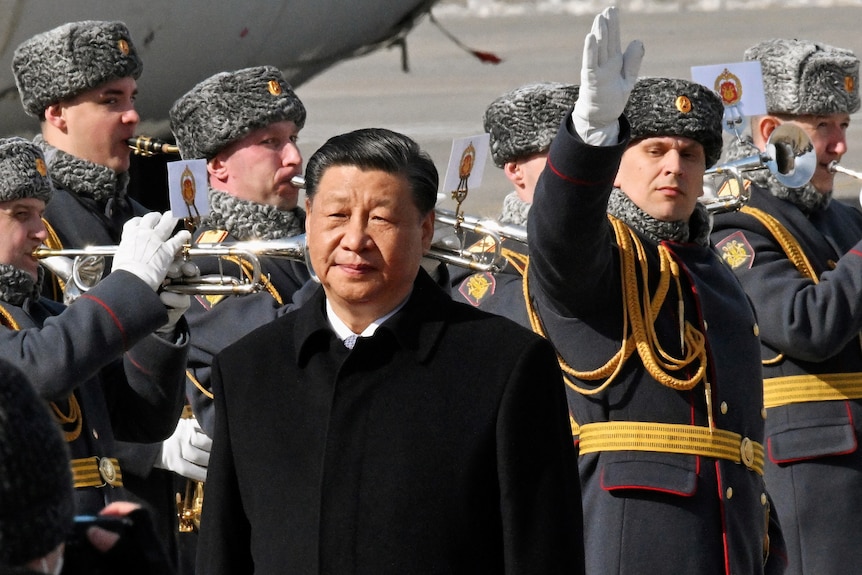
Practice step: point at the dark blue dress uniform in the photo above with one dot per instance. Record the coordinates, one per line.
(499, 293)
(88, 208)
(76, 360)
(671, 476)
(810, 316)
(218, 321)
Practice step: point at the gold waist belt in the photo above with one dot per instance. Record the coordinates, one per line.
(778, 391)
(96, 472)
(671, 438)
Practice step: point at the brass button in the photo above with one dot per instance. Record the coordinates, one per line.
(746, 452)
(756, 330)
(729, 492)
(763, 412)
(705, 325)
(763, 499)
(724, 408)
(107, 471)
(95, 434)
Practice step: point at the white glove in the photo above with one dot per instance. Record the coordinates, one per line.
(187, 451)
(607, 79)
(145, 249)
(176, 304)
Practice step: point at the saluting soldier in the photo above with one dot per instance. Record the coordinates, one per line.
(657, 340)
(521, 125)
(245, 124)
(796, 252)
(111, 365)
(80, 81)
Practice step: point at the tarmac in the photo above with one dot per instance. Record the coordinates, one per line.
(444, 94)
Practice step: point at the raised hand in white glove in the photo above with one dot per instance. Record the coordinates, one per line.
(146, 247)
(176, 304)
(607, 78)
(187, 451)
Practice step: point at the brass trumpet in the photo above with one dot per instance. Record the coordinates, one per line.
(790, 156)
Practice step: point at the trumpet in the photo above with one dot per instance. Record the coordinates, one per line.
(493, 260)
(147, 146)
(250, 252)
(790, 156)
(835, 168)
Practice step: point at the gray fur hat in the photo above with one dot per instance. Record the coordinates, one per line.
(802, 77)
(525, 120)
(37, 502)
(675, 107)
(23, 172)
(225, 107)
(70, 59)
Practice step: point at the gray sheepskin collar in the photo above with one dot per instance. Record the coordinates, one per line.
(247, 220)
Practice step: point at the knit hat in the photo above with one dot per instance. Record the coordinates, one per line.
(23, 173)
(70, 59)
(674, 107)
(227, 106)
(37, 501)
(525, 120)
(802, 77)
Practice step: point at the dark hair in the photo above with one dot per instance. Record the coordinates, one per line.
(378, 149)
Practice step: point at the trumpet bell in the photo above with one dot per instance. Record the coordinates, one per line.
(789, 156)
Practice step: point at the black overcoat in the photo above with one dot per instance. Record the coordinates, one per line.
(439, 445)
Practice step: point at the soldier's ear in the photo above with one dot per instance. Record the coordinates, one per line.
(55, 116)
(764, 127)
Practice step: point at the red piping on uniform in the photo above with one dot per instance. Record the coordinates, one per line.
(112, 314)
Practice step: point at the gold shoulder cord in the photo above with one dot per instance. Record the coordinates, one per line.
(517, 260)
(247, 270)
(53, 242)
(791, 248)
(199, 385)
(640, 312)
(74, 416)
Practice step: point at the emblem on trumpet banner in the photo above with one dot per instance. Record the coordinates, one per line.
(740, 87)
(466, 167)
(188, 186)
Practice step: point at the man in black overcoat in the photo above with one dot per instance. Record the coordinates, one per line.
(382, 427)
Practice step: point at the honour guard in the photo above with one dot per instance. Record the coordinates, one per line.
(105, 372)
(796, 252)
(521, 125)
(80, 80)
(656, 337)
(245, 124)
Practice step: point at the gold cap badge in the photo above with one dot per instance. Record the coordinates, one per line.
(274, 87)
(849, 84)
(123, 46)
(683, 104)
(41, 168)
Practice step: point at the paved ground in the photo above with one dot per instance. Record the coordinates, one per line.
(446, 90)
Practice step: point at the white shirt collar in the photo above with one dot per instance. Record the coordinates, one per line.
(342, 331)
